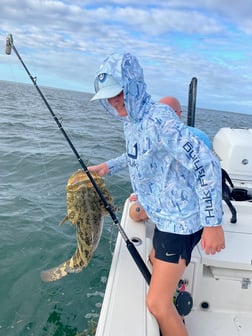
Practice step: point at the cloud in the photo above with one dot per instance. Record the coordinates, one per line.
(64, 42)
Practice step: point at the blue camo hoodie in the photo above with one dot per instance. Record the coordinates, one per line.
(176, 178)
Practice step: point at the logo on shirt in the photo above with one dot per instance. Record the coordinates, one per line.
(134, 154)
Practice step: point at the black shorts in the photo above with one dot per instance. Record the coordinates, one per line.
(170, 247)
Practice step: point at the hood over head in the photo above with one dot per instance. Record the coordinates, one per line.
(124, 73)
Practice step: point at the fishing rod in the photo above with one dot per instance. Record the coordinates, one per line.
(130, 245)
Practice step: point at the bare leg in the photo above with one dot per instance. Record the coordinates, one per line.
(164, 281)
(152, 256)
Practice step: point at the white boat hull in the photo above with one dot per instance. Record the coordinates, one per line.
(222, 281)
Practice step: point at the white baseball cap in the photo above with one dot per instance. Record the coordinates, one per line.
(106, 87)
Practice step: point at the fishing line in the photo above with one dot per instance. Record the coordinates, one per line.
(32, 129)
(130, 245)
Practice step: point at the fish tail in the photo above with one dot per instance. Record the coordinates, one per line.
(71, 266)
(54, 274)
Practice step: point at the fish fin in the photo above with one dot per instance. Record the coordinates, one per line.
(64, 220)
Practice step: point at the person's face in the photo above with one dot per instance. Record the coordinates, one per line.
(118, 103)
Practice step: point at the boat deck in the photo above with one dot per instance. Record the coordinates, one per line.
(222, 282)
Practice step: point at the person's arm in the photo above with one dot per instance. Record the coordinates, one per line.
(110, 167)
(117, 164)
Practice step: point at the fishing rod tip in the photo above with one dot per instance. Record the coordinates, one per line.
(9, 43)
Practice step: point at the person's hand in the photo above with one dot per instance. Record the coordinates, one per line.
(212, 239)
(100, 169)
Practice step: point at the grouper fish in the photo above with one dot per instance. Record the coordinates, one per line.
(85, 210)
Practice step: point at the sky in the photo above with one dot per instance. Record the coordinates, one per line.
(63, 42)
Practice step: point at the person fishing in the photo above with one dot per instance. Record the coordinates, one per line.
(136, 211)
(174, 175)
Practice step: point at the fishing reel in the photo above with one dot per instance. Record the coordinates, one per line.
(182, 299)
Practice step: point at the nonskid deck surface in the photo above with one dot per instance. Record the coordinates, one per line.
(219, 323)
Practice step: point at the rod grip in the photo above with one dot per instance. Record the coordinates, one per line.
(139, 261)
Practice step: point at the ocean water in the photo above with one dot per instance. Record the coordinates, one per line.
(35, 163)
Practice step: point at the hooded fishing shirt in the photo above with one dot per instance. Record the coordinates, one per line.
(175, 176)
